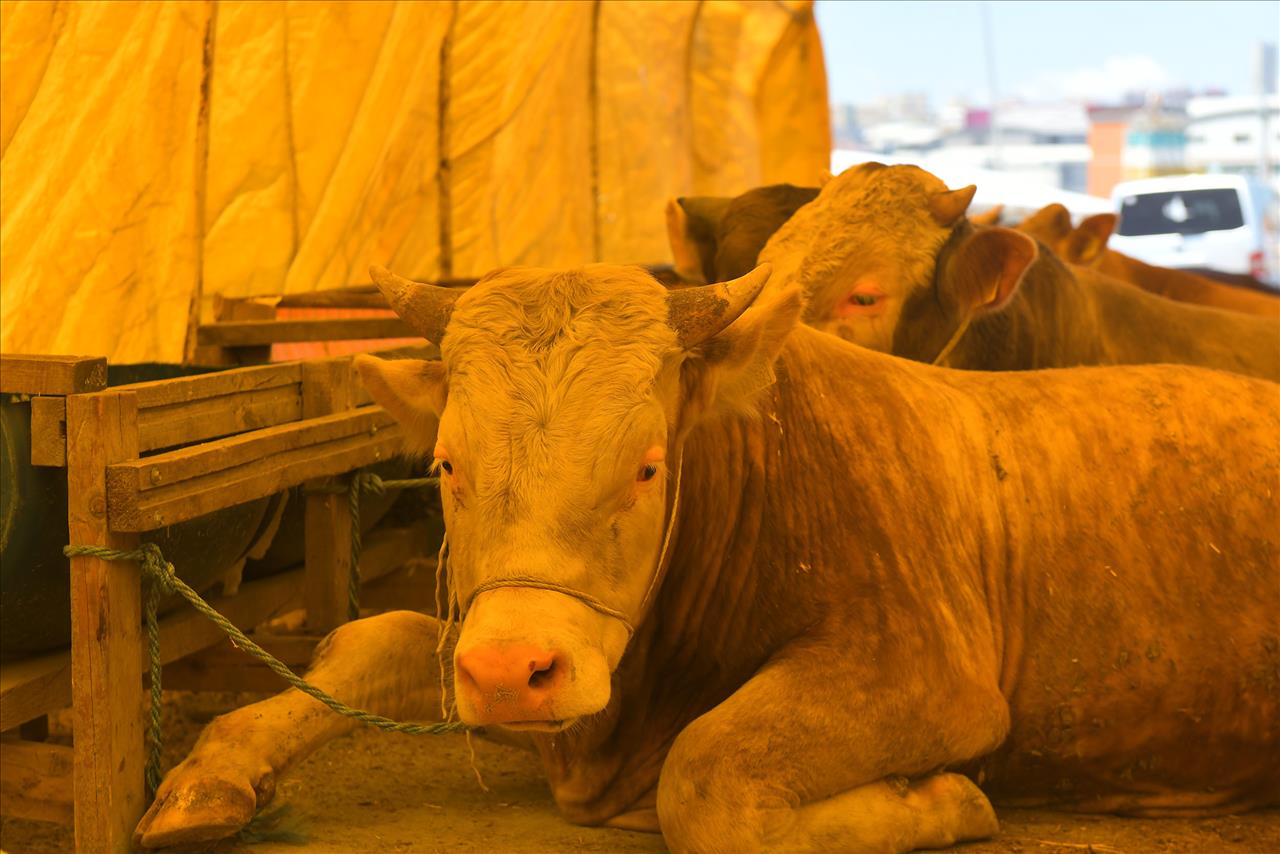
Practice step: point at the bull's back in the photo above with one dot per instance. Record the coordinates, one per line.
(1142, 328)
(1141, 605)
(1187, 286)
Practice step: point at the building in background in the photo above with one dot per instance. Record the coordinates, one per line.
(1228, 134)
(1154, 143)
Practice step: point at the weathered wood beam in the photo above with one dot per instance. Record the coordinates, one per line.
(327, 387)
(36, 780)
(251, 333)
(106, 613)
(185, 409)
(35, 686)
(21, 374)
(164, 489)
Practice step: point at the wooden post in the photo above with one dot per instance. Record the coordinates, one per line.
(327, 388)
(106, 643)
(233, 308)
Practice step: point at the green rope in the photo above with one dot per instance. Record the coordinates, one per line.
(362, 482)
(165, 580)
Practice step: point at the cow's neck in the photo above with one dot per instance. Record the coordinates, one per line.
(721, 611)
(1049, 322)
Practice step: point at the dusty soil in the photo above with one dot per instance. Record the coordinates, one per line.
(375, 792)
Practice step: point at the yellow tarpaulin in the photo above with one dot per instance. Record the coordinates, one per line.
(153, 155)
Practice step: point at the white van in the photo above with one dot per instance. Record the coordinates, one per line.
(1221, 222)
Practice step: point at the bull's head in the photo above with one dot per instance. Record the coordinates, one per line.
(867, 255)
(1082, 244)
(562, 399)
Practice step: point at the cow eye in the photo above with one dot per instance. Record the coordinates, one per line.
(647, 472)
(864, 299)
(446, 466)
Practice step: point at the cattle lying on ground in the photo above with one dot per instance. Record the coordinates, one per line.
(746, 584)
(888, 261)
(1086, 245)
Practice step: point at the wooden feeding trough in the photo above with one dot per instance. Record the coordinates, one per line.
(150, 457)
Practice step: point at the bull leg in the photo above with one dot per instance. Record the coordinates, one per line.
(804, 759)
(385, 664)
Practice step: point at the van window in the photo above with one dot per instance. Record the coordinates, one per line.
(1180, 212)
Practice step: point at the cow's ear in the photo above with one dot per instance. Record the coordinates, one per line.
(1085, 244)
(691, 230)
(728, 373)
(985, 270)
(991, 216)
(1052, 223)
(412, 391)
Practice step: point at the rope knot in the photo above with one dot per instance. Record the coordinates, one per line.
(162, 573)
(369, 482)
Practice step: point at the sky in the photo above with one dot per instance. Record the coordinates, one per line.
(1044, 49)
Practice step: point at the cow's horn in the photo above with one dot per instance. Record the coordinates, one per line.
(948, 206)
(426, 308)
(698, 314)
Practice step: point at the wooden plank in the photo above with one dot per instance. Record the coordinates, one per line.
(48, 431)
(106, 642)
(21, 374)
(185, 409)
(178, 485)
(31, 687)
(327, 388)
(211, 418)
(250, 333)
(356, 296)
(35, 686)
(202, 386)
(36, 780)
(229, 309)
(164, 472)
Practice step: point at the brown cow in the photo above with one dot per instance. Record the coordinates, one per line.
(888, 261)
(780, 615)
(715, 239)
(1086, 246)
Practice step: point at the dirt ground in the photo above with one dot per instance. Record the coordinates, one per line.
(374, 792)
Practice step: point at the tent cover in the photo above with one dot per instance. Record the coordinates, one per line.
(153, 155)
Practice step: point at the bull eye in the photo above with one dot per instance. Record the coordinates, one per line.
(446, 466)
(647, 472)
(864, 299)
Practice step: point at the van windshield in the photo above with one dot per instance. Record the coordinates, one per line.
(1180, 212)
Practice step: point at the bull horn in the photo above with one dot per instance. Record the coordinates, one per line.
(698, 314)
(426, 308)
(948, 206)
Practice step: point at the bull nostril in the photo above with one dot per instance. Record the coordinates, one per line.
(541, 675)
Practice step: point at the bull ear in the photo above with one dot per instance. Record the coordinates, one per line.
(1051, 223)
(991, 216)
(1085, 244)
(728, 373)
(691, 230)
(412, 391)
(984, 272)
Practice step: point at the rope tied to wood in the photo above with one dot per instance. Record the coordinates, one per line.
(164, 580)
(360, 483)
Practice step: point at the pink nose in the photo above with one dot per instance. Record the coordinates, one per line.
(510, 682)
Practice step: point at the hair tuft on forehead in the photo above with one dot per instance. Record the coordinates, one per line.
(877, 210)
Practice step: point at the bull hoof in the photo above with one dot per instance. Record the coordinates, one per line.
(196, 806)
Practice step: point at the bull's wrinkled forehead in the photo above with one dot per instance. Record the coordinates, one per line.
(541, 352)
(535, 313)
(872, 209)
